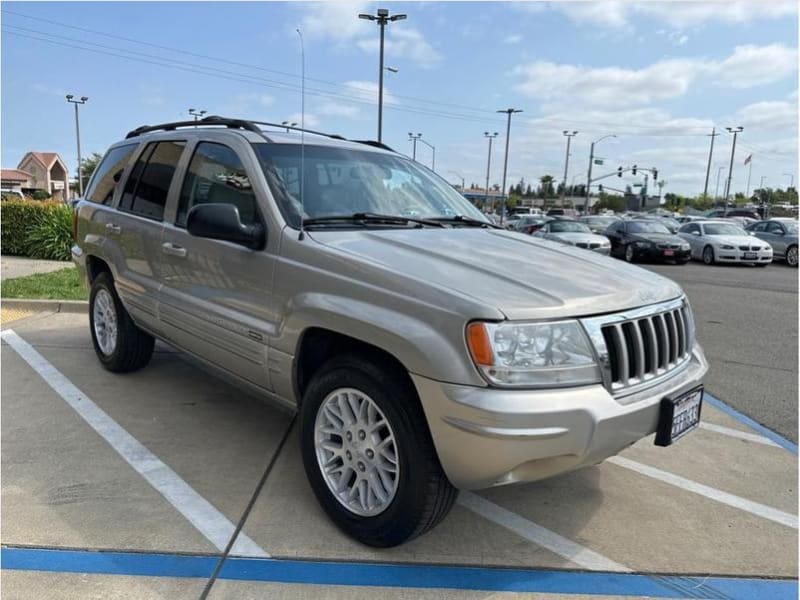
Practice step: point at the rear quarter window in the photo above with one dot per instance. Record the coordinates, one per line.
(108, 173)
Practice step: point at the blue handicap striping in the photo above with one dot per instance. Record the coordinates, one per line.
(758, 427)
(395, 575)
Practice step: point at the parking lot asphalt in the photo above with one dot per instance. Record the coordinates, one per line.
(747, 324)
(133, 486)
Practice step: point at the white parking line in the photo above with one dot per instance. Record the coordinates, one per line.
(572, 551)
(742, 435)
(202, 514)
(761, 510)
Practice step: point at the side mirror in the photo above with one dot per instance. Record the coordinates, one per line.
(695, 233)
(222, 222)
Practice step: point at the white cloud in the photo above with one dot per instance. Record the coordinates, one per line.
(248, 105)
(404, 42)
(367, 91)
(311, 120)
(768, 115)
(748, 66)
(514, 38)
(618, 14)
(333, 20)
(338, 109)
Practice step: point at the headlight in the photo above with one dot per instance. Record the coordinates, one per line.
(727, 247)
(684, 246)
(533, 354)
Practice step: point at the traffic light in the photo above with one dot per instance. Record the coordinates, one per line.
(633, 171)
(655, 174)
(600, 187)
(619, 172)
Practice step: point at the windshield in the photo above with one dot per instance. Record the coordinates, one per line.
(645, 227)
(723, 229)
(342, 182)
(569, 227)
(600, 221)
(791, 226)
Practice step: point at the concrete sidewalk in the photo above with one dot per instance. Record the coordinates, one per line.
(18, 266)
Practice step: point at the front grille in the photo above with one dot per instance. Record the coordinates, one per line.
(642, 345)
(673, 246)
(594, 245)
(748, 248)
(581, 245)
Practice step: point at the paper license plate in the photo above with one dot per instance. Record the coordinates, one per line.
(678, 416)
(750, 255)
(669, 252)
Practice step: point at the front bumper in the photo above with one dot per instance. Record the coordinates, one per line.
(659, 254)
(738, 256)
(489, 436)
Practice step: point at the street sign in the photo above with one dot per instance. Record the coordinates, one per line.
(598, 161)
(637, 185)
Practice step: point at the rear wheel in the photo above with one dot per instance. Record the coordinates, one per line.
(708, 255)
(119, 344)
(791, 256)
(630, 254)
(368, 453)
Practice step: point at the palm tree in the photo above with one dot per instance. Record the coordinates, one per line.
(547, 186)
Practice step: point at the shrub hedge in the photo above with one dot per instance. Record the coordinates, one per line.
(36, 229)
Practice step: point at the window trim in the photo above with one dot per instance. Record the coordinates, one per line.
(145, 146)
(182, 227)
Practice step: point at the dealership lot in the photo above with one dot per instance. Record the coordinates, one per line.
(135, 485)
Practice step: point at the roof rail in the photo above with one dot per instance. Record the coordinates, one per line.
(212, 120)
(375, 144)
(335, 136)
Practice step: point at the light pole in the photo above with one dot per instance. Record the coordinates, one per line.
(735, 131)
(569, 135)
(761, 184)
(509, 112)
(71, 99)
(460, 176)
(381, 18)
(716, 190)
(791, 179)
(197, 114)
(490, 136)
(591, 162)
(712, 135)
(288, 125)
(431, 146)
(414, 138)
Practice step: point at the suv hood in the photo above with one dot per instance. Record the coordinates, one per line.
(521, 276)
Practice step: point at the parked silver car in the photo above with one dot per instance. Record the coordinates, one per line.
(723, 241)
(574, 233)
(424, 353)
(598, 223)
(781, 234)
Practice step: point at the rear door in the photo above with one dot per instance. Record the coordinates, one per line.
(775, 234)
(216, 301)
(137, 226)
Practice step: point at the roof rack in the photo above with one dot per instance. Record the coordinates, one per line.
(213, 120)
(249, 126)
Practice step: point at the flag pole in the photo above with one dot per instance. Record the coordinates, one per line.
(749, 173)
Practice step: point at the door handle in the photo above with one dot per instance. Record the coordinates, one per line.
(173, 250)
(111, 228)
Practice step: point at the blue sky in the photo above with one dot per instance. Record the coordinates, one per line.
(659, 75)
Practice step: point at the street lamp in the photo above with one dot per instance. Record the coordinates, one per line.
(569, 135)
(735, 131)
(761, 184)
(433, 162)
(591, 162)
(509, 112)
(791, 180)
(414, 138)
(716, 189)
(490, 136)
(287, 124)
(381, 18)
(71, 100)
(197, 114)
(460, 176)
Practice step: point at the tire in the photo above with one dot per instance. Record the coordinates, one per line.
(791, 256)
(630, 254)
(120, 345)
(421, 496)
(708, 255)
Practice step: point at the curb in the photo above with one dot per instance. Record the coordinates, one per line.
(59, 306)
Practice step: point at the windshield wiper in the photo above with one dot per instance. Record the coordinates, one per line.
(371, 218)
(468, 221)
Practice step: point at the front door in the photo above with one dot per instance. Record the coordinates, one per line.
(216, 296)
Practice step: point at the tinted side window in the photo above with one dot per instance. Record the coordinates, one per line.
(107, 174)
(217, 175)
(148, 184)
(774, 228)
(615, 226)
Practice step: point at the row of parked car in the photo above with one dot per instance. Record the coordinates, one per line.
(736, 239)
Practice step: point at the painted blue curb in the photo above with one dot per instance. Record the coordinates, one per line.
(758, 427)
(394, 575)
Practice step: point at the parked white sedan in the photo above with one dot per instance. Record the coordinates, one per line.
(575, 234)
(723, 241)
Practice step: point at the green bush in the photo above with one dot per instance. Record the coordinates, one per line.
(40, 195)
(36, 229)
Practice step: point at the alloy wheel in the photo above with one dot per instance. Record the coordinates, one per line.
(104, 318)
(791, 256)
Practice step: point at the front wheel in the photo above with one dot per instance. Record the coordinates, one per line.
(708, 255)
(119, 344)
(368, 453)
(630, 253)
(791, 256)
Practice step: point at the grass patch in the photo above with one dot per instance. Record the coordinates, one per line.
(64, 284)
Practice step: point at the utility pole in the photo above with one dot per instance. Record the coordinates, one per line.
(382, 18)
(71, 100)
(791, 180)
(716, 190)
(491, 136)
(569, 135)
(589, 177)
(749, 173)
(735, 131)
(509, 112)
(712, 135)
(761, 185)
(414, 138)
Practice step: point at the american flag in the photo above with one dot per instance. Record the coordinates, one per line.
(747, 160)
